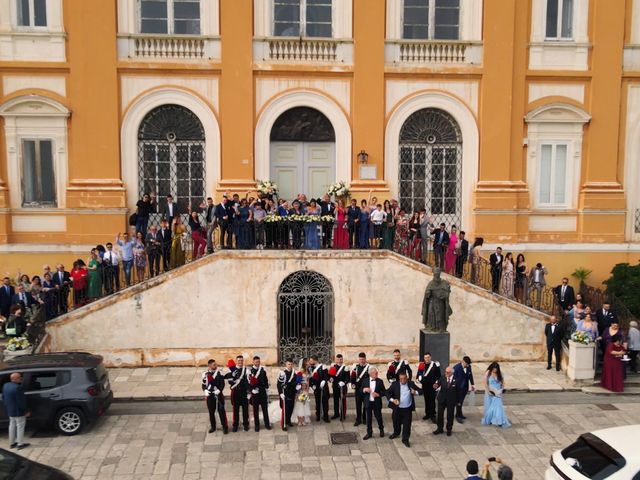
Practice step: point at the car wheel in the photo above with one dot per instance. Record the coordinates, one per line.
(70, 421)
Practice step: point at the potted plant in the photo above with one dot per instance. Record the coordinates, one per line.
(582, 357)
(581, 275)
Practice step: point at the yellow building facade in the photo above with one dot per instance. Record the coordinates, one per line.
(517, 120)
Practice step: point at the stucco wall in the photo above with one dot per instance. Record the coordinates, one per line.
(225, 304)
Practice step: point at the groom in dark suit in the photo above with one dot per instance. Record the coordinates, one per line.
(401, 400)
(554, 334)
(447, 398)
(327, 207)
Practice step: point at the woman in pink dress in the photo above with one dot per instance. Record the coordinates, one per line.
(451, 254)
(341, 235)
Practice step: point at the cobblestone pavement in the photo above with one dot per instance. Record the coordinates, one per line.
(184, 382)
(176, 445)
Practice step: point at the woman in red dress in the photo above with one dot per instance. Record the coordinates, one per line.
(341, 235)
(612, 368)
(79, 275)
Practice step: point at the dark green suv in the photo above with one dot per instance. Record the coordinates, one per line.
(64, 390)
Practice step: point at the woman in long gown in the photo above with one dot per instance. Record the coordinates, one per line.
(520, 284)
(341, 234)
(311, 236)
(176, 258)
(388, 227)
(506, 282)
(612, 368)
(450, 255)
(494, 413)
(401, 240)
(363, 237)
(95, 276)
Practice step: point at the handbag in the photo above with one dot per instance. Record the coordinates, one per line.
(133, 219)
(10, 330)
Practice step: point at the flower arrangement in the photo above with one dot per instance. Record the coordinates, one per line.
(302, 397)
(581, 337)
(18, 343)
(271, 218)
(339, 189)
(267, 187)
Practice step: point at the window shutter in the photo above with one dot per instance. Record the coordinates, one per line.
(544, 195)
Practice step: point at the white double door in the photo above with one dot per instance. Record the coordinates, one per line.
(302, 167)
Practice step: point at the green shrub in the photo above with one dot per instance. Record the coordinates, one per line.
(624, 283)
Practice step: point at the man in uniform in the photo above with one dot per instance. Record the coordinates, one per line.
(339, 379)
(319, 382)
(398, 366)
(359, 373)
(287, 392)
(428, 374)
(239, 393)
(259, 397)
(212, 386)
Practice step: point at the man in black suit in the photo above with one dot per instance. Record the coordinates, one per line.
(319, 383)
(360, 377)
(165, 244)
(401, 399)
(428, 374)
(554, 334)
(154, 250)
(371, 394)
(565, 296)
(170, 210)
(440, 243)
(327, 207)
(353, 223)
(447, 398)
(463, 254)
(223, 214)
(61, 282)
(6, 295)
(605, 317)
(495, 259)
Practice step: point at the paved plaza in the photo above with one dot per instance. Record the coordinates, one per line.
(169, 440)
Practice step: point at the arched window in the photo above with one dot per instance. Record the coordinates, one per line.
(171, 156)
(430, 165)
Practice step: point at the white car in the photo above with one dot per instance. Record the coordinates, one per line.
(611, 454)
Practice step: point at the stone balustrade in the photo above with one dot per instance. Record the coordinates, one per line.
(168, 47)
(433, 52)
(298, 49)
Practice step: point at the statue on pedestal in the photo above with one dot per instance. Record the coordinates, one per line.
(435, 305)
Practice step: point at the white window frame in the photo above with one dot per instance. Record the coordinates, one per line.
(555, 123)
(37, 139)
(431, 5)
(553, 171)
(559, 37)
(32, 117)
(32, 17)
(170, 20)
(302, 20)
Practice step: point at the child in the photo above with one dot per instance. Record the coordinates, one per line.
(302, 408)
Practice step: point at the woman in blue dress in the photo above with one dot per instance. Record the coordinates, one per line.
(311, 237)
(363, 238)
(494, 413)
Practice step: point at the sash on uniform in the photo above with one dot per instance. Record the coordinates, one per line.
(365, 369)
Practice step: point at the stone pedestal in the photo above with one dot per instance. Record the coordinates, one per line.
(582, 361)
(437, 344)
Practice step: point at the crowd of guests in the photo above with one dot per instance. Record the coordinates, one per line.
(617, 349)
(443, 389)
